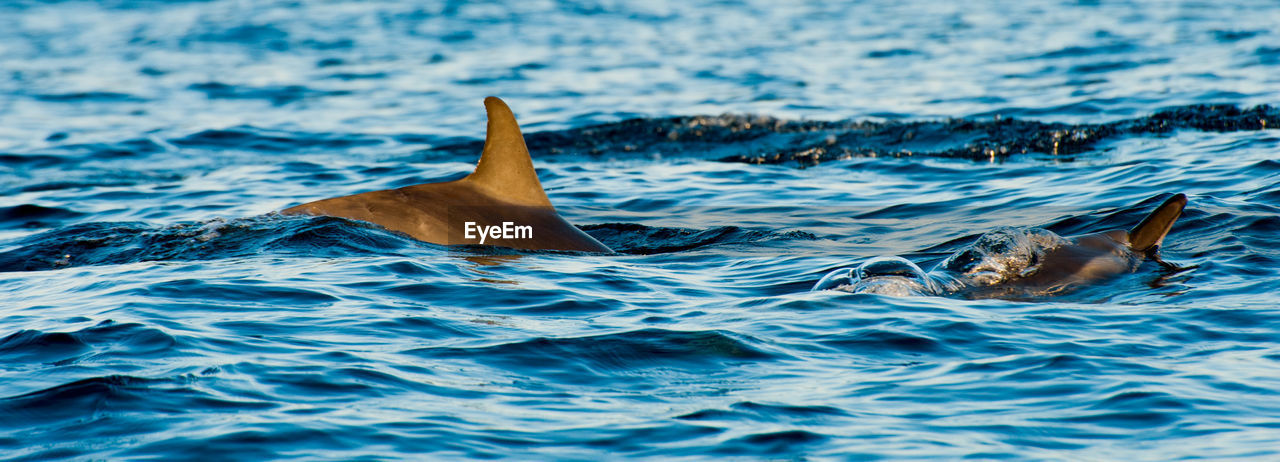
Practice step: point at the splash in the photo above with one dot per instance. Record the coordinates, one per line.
(996, 257)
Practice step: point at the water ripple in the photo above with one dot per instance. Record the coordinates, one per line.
(156, 308)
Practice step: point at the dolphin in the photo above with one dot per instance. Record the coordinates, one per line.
(501, 203)
(1013, 262)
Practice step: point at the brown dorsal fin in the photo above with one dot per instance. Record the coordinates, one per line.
(1150, 233)
(505, 169)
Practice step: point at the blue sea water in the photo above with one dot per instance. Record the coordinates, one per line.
(155, 309)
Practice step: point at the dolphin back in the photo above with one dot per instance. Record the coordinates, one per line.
(502, 196)
(1148, 235)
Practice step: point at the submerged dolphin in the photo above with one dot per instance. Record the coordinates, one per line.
(1010, 261)
(501, 203)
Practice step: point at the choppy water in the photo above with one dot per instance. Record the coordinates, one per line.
(153, 308)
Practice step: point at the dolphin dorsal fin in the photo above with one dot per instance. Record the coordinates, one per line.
(505, 168)
(1151, 231)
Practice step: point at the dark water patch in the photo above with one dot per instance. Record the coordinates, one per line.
(1143, 401)
(748, 410)
(119, 243)
(1084, 51)
(108, 339)
(106, 180)
(358, 75)
(1112, 66)
(79, 399)
(1268, 55)
(347, 383)
(421, 327)
(31, 160)
(258, 139)
(714, 414)
(643, 440)
(1267, 196)
(1268, 165)
(970, 337)
(409, 268)
(1147, 420)
(570, 307)
(591, 359)
(903, 211)
(339, 236)
(34, 216)
(328, 45)
(89, 96)
(768, 140)
(99, 397)
(639, 239)
(1031, 364)
(1103, 220)
(492, 79)
(773, 443)
(276, 95)
(1190, 333)
(1229, 36)
(880, 343)
(35, 346)
(1042, 368)
(318, 385)
(242, 292)
(266, 442)
(892, 52)
(1232, 318)
(258, 34)
(437, 140)
(125, 149)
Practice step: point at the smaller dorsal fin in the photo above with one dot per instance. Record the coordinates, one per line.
(1150, 233)
(505, 168)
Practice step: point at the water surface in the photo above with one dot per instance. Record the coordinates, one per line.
(155, 308)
